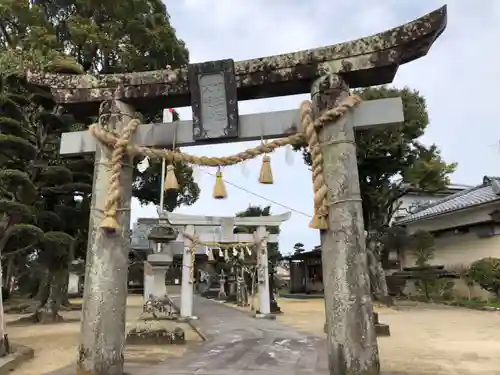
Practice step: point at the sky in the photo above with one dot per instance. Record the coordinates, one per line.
(458, 79)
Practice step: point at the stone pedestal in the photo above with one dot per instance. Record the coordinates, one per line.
(148, 280)
(380, 328)
(156, 267)
(155, 283)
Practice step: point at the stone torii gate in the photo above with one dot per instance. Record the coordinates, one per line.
(193, 226)
(326, 73)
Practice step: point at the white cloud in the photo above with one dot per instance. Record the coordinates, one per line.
(458, 79)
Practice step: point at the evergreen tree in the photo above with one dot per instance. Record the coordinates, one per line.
(390, 162)
(114, 37)
(393, 160)
(64, 188)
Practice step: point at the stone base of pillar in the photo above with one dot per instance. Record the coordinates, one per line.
(258, 315)
(275, 309)
(380, 329)
(222, 297)
(186, 318)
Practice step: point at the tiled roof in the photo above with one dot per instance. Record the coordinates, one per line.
(487, 192)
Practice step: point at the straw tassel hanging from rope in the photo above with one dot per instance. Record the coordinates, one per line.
(266, 174)
(171, 183)
(219, 188)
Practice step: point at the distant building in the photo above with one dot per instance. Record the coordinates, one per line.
(465, 225)
(415, 199)
(306, 274)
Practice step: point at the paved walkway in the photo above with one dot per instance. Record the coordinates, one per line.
(239, 344)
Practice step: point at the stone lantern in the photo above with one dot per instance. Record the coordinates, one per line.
(158, 263)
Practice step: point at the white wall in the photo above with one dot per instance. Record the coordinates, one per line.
(455, 248)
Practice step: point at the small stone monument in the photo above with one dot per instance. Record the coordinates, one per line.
(241, 291)
(222, 290)
(232, 297)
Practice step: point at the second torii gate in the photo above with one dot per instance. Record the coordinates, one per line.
(192, 225)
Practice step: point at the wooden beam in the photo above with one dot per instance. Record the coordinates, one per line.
(252, 127)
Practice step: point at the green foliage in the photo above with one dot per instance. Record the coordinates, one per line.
(96, 37)
(428, 283)
(17, 185)
(423, 247)
(20, 236)
(486, 272)
(298, 248)
(56, 248)
(392, 160)
(15, 209)
(110, 37)
(147, 187)
(31, 186)
(463, 271)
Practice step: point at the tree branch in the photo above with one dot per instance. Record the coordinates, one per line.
(18, 251)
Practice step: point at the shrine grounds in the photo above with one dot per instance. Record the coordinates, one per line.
(425, 338)
(55, 345)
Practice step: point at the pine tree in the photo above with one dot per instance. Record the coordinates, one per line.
(64, 190)
(18, 230)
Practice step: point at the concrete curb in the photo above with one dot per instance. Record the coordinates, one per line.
(12, 361)
(193, 323)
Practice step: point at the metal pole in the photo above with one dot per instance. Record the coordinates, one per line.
(167, 117)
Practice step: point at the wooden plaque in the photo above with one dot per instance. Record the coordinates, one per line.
(214, 100)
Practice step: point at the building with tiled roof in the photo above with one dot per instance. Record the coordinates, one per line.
(465, 225)
(476, 197)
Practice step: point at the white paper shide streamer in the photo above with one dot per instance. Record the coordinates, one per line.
(143, 165)
(196, 174)
(244, 169)
(289, 155)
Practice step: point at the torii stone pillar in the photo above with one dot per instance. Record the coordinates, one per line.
(187, 286)
(351, 337)
(263, 273)
(102, 336)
